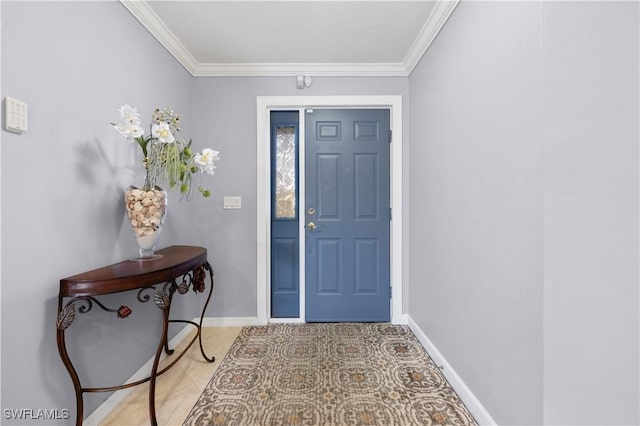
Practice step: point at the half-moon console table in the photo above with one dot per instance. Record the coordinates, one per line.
(179, 269)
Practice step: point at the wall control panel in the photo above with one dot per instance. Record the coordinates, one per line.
(15, 118)
(233, 202)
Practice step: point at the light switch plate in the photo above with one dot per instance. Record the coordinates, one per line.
(232, 202)
(15, 117)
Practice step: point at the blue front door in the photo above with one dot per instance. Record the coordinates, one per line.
(347, 215)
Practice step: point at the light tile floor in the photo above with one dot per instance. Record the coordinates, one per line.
(178, 389)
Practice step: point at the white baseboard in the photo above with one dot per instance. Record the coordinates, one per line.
(117, 397)
(286, 321)
(403, 319)
(474, 405)
(228, 321)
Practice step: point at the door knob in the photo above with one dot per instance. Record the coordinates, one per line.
(311, 226)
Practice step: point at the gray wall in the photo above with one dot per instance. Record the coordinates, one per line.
(225, 110)
(590, 174)
(524, 168)
(522, 260)
(70, 195)
(74, 64)
(475, 159)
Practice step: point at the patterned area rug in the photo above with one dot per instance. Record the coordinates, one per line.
(328, 374)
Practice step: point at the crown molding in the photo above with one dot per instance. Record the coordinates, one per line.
(293, 69)
(150, 20)
(429, 32)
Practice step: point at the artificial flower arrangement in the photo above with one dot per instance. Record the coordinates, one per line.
(167, 157)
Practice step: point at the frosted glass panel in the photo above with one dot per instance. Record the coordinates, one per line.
(285, 172)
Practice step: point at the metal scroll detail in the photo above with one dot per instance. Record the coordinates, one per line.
(66, 317)
(195, 279)
(199, 279)
(67, 314)
(161, 299)
(183, 287)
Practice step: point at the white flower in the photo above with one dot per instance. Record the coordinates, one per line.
(129, 126)
(136, 131)
(206, 159)
(162, 132)
(129, 132)
(129, 114)
(167, 157)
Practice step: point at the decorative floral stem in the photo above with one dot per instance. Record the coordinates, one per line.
(148, 184)
(167, 157)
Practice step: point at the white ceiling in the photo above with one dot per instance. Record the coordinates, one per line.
(300, 37)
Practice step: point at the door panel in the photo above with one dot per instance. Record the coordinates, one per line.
(328, 271)
(366, 197)
(347, 186)
(285, 275)
(285, 270)
(365, 259)
(328, 186)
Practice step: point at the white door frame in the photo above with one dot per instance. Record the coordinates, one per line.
(265, 104)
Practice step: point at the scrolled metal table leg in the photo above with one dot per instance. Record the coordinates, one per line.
(163, 302)
(166, 336)
(206, 266)
(66, 316)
